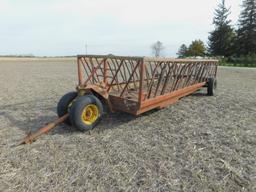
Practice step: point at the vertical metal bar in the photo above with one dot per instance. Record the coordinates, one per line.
(184, 76)
(114, 78)
(126, 85)
(90, 67)
(202, 72)
(201, 67)
(151, 66)
(211, 70)
(160, 78)
(83, 60)
(173, 76)
(147, 74)
(83, 64)
(80, 74)
(112, 69)
(105, 72)
(132, 67)
(153, 78)
(121, 73)
(116, 67)
(142, 73)
(207, 71)
(101, 72)
(190, 74)
(168, 76)
(93, 71)
(129, 72)
(125, 75)
(96, 74)
(196, 72)
(216, 69)
(179, 77)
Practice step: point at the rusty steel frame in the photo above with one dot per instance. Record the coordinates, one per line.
(138, 84)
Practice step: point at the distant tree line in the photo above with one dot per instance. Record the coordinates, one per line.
(196, 48)
(23, 55)
(232, 44)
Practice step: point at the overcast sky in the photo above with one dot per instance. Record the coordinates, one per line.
(120, 27)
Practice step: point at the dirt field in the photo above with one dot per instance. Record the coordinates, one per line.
(199, 144)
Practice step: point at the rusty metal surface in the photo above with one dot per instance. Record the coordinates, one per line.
(136, 84)
(134, 81)
(30, 138)
(167, 99)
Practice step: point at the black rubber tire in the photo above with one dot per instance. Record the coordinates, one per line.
(77, 109)
(62, 107)
(211, 86)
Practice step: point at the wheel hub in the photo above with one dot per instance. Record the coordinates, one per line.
(90, 114)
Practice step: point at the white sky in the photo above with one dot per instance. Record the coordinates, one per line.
(120, 27)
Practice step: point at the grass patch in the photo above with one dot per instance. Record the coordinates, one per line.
(251, 65)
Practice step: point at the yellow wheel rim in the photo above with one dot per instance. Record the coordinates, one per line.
(90, 114)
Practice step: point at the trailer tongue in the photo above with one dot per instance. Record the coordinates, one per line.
(30, 138)
(129, 84)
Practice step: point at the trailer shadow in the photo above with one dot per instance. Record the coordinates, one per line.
(198, 94)
(19, 115)
(28, 118)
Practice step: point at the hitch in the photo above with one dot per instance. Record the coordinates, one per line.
(30, 138)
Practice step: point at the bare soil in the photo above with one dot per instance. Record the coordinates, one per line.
(200, 143)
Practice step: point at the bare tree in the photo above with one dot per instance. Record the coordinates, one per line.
(157, 48)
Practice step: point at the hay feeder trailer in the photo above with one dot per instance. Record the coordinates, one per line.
(130, 84)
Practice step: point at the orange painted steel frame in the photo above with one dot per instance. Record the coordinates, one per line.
(138, 84)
